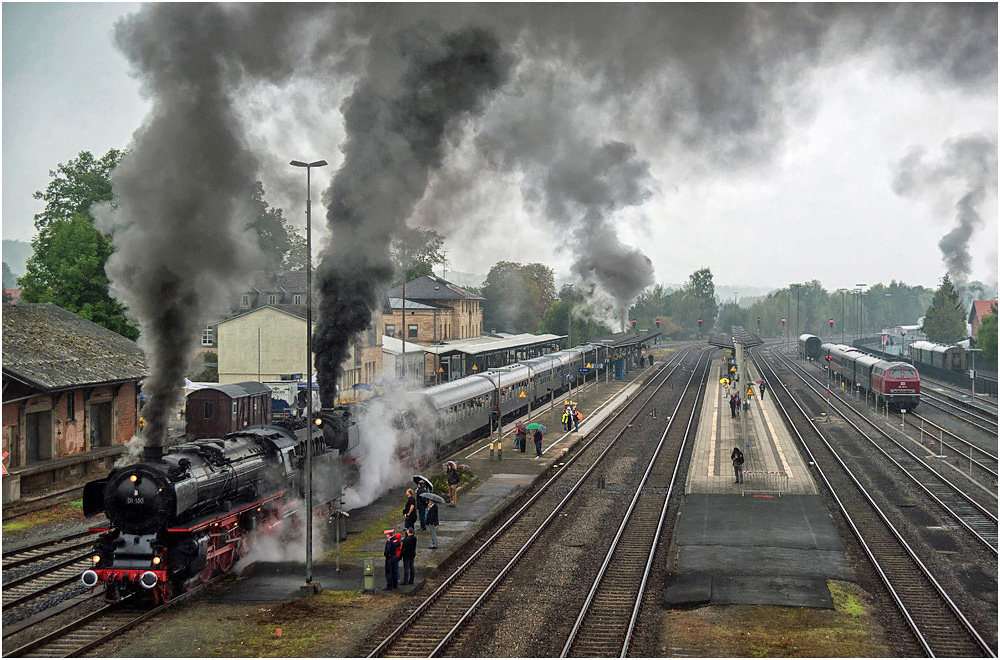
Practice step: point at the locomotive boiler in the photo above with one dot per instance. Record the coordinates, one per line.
(180, 516)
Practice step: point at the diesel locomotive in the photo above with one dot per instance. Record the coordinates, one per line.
(896, 383)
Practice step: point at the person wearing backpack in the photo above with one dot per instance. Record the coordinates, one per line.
(737, 458)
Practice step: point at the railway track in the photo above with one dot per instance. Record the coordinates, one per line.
(938, 625)
(961, 399)
(444, 622)
(978, 520)
(89, 631)
(606, 623)
(982, 463)
(41, 552)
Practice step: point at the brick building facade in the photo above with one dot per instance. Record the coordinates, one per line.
(435, 311)
(70, 397)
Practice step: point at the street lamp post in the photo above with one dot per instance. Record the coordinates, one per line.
(861, 310)
(309, 401)
(843, 318)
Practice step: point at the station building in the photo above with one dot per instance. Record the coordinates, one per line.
(70, 397)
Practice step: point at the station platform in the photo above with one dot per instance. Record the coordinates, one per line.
(500, 479)
(769, 452)
(767, 541)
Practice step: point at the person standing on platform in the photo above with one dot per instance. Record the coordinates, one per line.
(410, 510)
(391, 561)
(432, 522)
(522, 437)
(421, 504)
(453, 480)
(732, 406)
(763, 388)
(538, 442)
(408, 554)
(565, 419)
(737, 457)
(577, 416)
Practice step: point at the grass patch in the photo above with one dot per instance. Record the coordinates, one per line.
(65, 511)
(354, 542)
(753, 631)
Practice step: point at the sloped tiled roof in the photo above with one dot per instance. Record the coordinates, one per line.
(981, 308)
(50, 348)
(430, 287)
(397, 303)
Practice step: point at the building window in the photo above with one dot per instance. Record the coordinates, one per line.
(208, 337)
(70, 406)
(411, 331)
(390, 330)
(271, 299)
(297, 298)
(245, 301)
(209, 410)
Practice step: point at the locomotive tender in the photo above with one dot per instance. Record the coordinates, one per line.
(896, 383)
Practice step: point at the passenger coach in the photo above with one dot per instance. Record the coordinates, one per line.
(810, 347)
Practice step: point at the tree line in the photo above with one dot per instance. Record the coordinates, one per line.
(68, 256)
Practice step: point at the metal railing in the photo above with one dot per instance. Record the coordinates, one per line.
(764, 481)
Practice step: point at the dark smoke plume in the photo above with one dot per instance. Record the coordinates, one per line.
(969, 161)
(396, 133)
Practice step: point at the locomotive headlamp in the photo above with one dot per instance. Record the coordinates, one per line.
(318, 421)
(134, 478)
(156, 561)
(97, 559)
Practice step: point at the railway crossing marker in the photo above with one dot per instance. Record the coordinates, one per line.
(3, 468)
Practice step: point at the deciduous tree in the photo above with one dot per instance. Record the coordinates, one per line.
(67, 269)
(76, 186)
(986, 335)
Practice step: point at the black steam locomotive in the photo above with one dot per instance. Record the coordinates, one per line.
(179, 517)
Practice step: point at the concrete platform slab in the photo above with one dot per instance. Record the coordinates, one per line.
(754, 550)
(275, 582)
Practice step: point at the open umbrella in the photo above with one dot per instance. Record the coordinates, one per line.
(432, 496)
(760, 382)
(419, 478)
(534, 426)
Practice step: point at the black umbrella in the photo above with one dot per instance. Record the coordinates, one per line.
(419, 478)
(432, 496)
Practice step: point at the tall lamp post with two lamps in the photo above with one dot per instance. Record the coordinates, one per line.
(309, 586)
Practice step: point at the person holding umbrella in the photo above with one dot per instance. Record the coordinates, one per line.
(423, 486)
(763, 388)
(520, 436)
(432, 517)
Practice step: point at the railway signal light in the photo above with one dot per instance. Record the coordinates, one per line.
(831, 324)
(657, 324)
(699, 324)
(634, 321)
(782, 323)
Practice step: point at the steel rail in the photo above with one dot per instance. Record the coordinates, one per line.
(959, 413)
(599, 578)
(989, 515)
(489, 543)
(905, 611)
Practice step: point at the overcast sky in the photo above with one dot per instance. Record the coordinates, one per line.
(815, 199)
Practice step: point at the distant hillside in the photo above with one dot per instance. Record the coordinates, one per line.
(15, 254)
